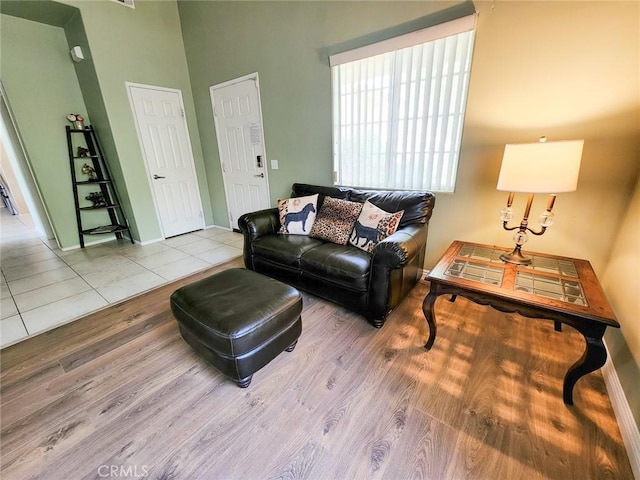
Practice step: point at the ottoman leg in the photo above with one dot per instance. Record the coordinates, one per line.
(291, 347)
(244, 383)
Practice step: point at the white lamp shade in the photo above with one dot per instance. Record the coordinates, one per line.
(541, 167)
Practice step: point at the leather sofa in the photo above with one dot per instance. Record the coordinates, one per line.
(370, 284)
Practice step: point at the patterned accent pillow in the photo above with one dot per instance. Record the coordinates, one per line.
(335, 220)
(297, 214)
(372, 226)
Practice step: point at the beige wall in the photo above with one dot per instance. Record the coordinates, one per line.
(567, 70)
(621, 283)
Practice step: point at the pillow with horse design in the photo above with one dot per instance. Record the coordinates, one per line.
(372, 226)
(297, 214)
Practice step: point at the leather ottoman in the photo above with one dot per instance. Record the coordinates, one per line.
(238, 320)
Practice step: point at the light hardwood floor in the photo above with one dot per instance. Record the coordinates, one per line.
(119, 394)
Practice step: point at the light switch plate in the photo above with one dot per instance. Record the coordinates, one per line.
(274, 164)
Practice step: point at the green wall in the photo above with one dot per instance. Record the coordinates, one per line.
(42, 88)
(142, 45)
(90, 87)
(288, 44)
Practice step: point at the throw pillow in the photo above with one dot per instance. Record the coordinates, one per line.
(335, 220)
(373, 225)
(297, 214)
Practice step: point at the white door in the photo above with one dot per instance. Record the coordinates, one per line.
(238, 121)
(164, 138)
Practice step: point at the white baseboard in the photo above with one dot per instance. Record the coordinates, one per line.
(149, 242)
(218, 226)
(90, 243)
(626, 422)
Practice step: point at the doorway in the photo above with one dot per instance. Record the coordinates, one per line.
(237, 114)
(164, 139)
(15, 169)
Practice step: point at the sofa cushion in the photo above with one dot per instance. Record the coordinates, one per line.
(343, 265)
(297, 214)
(335, 220)
(372, 226)
(303, 189)
(284, 249)
(417, 206)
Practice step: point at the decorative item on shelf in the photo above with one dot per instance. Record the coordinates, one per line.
(542, 167)
(77, 120)
(90, 171)
(98, 199)
(105, 229)
(83, 152)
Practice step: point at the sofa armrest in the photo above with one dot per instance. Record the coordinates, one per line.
(256, 224)
(399, 249)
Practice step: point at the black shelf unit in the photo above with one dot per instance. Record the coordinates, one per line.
(86, 139)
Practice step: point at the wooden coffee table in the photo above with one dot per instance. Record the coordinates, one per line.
(561, 289)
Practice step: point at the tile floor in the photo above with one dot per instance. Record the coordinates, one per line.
(43, 287)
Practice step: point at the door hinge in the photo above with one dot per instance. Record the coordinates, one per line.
(182, 113)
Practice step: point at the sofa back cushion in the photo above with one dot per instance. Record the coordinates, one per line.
(303, 190)
(417, 205)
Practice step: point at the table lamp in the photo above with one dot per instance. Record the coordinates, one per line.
(541, 167)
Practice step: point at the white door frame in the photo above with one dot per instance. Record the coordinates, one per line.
(128, 86)
(251, 76)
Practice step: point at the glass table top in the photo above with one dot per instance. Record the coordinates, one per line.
(551, 287)
(542, 264)
(475, 272)
(543, 277)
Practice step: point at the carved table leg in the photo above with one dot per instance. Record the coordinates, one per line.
(430, 315)
(594, 357)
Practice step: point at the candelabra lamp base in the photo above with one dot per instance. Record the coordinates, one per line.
(516, 257)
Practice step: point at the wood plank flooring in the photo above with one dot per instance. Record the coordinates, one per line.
(119, 394)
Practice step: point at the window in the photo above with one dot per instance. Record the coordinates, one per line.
(398, 109)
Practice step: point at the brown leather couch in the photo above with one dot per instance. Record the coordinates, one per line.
(371, 284)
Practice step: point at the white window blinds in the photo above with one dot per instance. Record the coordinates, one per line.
(398, 109)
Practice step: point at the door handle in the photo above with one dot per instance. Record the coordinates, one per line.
(261, 175)
(156, 177)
